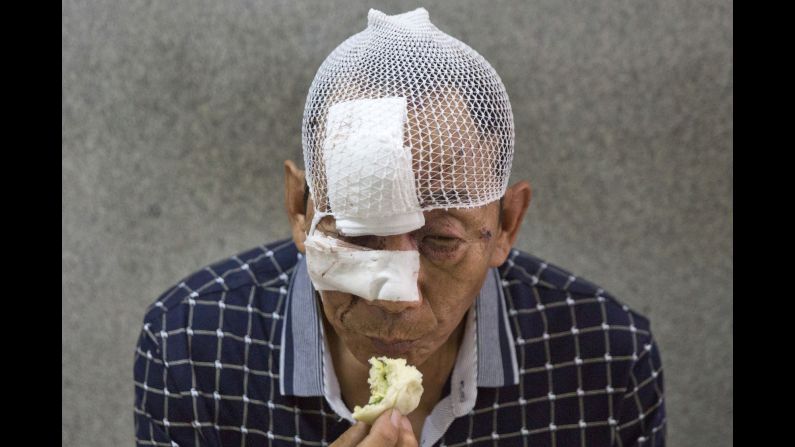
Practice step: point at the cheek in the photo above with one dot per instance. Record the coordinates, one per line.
(335, 304)
(452, 287)
(451, 292)
(456, 271)
(449, 303)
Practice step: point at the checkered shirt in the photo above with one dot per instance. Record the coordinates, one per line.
(207, 364)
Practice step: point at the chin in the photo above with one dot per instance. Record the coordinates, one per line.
(365, 351)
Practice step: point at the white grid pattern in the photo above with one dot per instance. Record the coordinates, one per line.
(608, 359)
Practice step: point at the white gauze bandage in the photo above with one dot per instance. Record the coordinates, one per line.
(367, 164)
(401, 118)
(369, 274)
(366, 161)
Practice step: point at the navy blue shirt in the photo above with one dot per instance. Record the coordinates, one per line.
(229, 357)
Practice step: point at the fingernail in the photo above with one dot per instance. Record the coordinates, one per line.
(395, 418)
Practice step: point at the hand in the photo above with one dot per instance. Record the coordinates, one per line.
(391, 429)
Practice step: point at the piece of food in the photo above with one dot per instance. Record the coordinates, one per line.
(393, 384)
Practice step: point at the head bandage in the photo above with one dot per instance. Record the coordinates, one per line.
(401, 118)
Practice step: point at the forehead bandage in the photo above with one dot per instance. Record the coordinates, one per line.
(365, 162)
(400, 118)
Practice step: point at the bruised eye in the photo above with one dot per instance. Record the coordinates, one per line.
(441, 240)
(442, 244)
(373, 242)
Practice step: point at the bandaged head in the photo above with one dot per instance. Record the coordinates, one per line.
(401, 118)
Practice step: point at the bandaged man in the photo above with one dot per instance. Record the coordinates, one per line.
(403, 224)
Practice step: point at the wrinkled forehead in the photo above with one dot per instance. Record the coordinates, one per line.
(455, 161)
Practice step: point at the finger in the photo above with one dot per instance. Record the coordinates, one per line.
(352, 436)
(407, 438)
(385, 430)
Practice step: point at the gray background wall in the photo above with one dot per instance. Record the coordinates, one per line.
(178, 114)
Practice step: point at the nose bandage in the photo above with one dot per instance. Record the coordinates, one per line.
(369, 274)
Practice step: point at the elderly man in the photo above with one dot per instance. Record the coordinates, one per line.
(402, 234)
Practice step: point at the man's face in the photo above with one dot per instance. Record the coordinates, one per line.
(456, 248)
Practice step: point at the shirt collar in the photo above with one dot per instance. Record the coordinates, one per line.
(302, 346)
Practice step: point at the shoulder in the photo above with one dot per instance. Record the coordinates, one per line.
(255, 277)
(551, 302)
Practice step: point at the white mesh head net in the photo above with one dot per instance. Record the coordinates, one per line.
(402, 118)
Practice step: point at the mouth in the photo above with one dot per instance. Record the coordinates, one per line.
(393, 347)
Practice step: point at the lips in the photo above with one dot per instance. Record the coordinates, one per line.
(394, 347)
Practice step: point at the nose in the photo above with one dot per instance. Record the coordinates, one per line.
(396, 307)
(399, 242)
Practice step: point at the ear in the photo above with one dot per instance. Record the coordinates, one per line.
(294, 200)
(514, 206)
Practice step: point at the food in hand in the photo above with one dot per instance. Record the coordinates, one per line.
(393, 384)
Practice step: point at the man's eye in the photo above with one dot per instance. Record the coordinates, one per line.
(441, 240)
(441, 244)
(373, 242)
